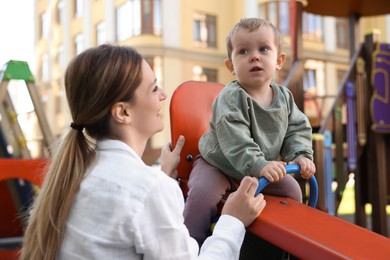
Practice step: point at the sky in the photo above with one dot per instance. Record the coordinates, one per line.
(17, 43)
(17, 31)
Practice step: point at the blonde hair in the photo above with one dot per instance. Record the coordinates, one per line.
(251, 24)
(94, 81)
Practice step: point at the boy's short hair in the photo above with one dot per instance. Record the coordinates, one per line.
(251, 24)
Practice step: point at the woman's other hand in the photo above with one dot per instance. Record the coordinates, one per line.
(171, 159)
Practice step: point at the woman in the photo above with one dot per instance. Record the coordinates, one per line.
(99, 200)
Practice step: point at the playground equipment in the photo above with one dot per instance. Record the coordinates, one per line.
(380, 101)
(19, 70)
(362, 145)
(291, 169)
(19, 173)
(300, 230)
(365, 92)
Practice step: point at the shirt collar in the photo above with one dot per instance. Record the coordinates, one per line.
(116, 146)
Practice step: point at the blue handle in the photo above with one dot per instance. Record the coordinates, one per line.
(295, 168)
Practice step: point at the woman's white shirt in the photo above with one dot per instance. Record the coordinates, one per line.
(128, 210)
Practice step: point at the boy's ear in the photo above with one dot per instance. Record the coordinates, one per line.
(280, 61)
(121, 113)
(229, 66)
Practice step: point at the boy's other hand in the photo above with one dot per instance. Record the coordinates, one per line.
(273, 171)
(308, 168)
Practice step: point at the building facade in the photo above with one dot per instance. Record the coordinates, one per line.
(185, 40)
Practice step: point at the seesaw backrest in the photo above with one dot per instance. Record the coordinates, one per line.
(190, 113)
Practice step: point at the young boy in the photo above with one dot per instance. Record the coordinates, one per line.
(255, 129)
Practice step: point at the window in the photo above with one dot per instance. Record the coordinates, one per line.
(342, 33)
(312, 27)
(59, 9)
(44, 25)
(205, 74)
(78, 8)
(78, 44)
(61, 57)
(136, 17)
(277, 13)
(340, 74)
(151, 17)
(205, 30)
(309, 81)
(156, 64)
(147, 17)
(314, 91)
(45, 67)
(123, 22)
(100, 33)
(58, 103)
(314, 77)
(157, 20)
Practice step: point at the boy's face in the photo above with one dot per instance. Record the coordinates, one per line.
(254, 57)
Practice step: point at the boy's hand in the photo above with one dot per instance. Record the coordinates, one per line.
(273, 171)
(171, 159)
(308, 168)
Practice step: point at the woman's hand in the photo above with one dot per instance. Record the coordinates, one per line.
(242, 204)
(171, 159)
